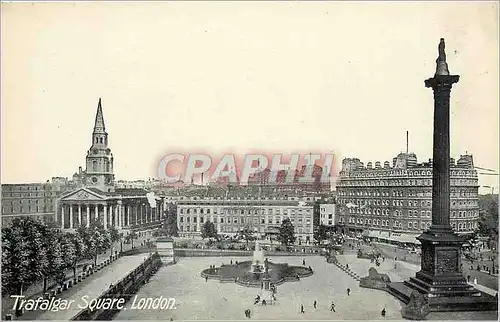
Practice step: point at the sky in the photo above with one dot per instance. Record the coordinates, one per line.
(340, 77)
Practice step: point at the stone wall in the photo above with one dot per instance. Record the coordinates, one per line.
(127, 286)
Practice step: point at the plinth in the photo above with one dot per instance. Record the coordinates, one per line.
(440, 279)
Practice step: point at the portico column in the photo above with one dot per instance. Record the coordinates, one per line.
(96, 213)
(105, 219)
(79, 215)
(128, 215)
(116, 224)
(142, 206)
(120, 212)
(62, 216)
(110, 215)
(88, 215)
(70, 216)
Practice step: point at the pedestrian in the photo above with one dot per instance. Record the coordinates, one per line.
(383, 312)
(304, 262)
(347, 266)
(206, 278)
(348, 291)
(332, 307)
(231, 262)
(475, 280)
(468, 278)
(302, 309)
(314, 304)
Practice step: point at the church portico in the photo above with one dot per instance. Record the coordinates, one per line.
(85, 206)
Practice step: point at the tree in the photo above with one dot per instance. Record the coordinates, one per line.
(208, 230)
(247, 234)
(24, 254)
(69, 252)
(96, 239)
(286, 232)
(488, 211)
(321, 233)
(57, 264)
(80, 250)
(169, 225)
(130, 238)
(114, 236)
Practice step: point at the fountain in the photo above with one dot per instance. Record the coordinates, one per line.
(259, 272)
(258, 259)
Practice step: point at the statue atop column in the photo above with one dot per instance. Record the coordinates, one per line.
(441, 65)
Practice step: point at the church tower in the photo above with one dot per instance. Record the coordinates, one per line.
(99, 165)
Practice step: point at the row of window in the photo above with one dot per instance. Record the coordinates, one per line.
(244, 211)
(413, 213)
(400, 203)
(235, 229)
(28, 194)
(242, 220)
(13, 202)
(26, 188)
(408, 182)
(379, 174)
(27, 209)
(457, 226)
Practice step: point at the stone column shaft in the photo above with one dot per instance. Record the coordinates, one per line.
(88, 215)
(79, 215)
(441, 85)
(105, 219)
(70, 216)
(62, 216)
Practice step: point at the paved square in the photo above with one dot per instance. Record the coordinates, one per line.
(200, 300)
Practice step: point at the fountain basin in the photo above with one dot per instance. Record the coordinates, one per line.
(243, 274)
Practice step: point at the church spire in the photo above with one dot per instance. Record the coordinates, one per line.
(99, 120)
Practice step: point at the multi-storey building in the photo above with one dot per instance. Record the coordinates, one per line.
(263, 216)
(37, 200)
(395, 202)
(327, 214)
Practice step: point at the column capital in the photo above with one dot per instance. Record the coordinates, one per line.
(442, 81)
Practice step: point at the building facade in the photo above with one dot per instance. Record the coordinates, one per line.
(327, 214)
(398, 198)
(36, 200)
(263, 216)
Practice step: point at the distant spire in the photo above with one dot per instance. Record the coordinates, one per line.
(441, 65)
(99, 126)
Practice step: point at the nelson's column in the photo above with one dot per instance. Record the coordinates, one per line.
(440, 278)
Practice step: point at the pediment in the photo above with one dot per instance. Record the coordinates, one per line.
(83, 194)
